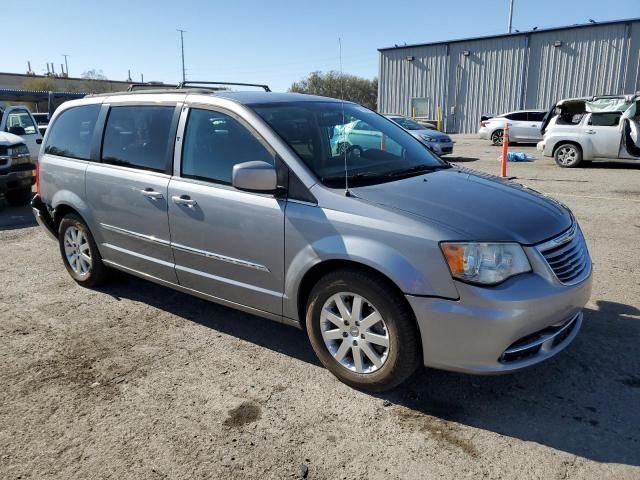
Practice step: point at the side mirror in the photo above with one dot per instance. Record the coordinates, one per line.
(258, 176)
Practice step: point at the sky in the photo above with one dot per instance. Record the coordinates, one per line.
(271, 41)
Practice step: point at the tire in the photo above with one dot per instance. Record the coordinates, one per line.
(568, 155)
(17, 198)
(80, 253)
(497, 136)
(333, 340)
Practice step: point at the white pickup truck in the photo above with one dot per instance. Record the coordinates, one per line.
(20, 142)
(19, 121)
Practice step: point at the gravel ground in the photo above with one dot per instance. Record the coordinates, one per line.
(137, 381)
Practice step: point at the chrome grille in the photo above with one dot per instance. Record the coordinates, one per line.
(567, 255)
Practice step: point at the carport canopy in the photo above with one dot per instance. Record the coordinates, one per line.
(53, 99)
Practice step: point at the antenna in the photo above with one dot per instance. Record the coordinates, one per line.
(346, 168)
(182, 32)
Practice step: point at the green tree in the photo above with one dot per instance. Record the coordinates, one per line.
(94, 74)
(340, 85)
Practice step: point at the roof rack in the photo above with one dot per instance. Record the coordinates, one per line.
(149, 85)
(195, 84)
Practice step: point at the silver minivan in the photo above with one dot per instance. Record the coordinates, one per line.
(386, 255)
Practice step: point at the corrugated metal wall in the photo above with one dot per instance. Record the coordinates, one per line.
(589, 61)
(495, 75)
(402, 80)
(489, 80)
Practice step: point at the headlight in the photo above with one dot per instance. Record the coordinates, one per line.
(18, 150)
(486, 263)
(427, 138)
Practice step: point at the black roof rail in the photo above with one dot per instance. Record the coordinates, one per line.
(146, 86)
(195, 84)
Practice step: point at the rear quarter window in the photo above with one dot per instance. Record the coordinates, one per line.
(72, 132)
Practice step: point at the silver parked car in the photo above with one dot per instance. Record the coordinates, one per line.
(387, 256)
(524, 126)
(436, 141)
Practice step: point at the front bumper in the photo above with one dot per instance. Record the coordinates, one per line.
(14, 180)
(479, 332)
(444, 148)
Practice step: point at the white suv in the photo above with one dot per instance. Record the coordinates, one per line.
(524, 126)
(593, 128)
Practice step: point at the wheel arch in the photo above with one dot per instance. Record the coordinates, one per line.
(585, 149)
(320, 269)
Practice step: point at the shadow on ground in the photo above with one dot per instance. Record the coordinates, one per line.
(12, 218)
(584, 401)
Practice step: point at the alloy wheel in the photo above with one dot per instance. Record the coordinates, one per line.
(77, 251)
(567, 155)
(354, 332)
(497, 137)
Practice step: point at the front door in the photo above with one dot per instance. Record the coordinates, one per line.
(226, 243)
(518, 129)
(602, 129)
(127, 191)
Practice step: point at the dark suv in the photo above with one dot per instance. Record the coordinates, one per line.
(17, 171)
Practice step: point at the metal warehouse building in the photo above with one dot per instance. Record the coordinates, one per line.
(472, 77)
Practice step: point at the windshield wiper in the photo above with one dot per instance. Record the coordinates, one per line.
(417, 169)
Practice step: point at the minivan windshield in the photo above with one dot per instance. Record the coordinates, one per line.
(330, 137)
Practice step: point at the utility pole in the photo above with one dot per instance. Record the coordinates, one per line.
(184, 76)
(510, 15)
(66, 64)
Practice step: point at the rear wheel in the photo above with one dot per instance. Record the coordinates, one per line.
(568, 155)
(18, 197)
(79, 252)
(362, 330)
(497, 137)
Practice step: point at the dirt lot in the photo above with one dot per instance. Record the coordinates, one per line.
(138, 381)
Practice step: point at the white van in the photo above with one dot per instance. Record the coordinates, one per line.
(592, 128)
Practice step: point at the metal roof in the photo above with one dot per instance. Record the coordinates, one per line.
(514, 34)
(19, 95)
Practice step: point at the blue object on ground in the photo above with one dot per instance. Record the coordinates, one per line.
(519, 157)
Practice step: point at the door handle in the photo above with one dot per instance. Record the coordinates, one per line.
(590, 132)
(152, 194)
(185, 200)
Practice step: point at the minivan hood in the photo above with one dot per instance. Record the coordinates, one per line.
(7, 138)
(479, 206)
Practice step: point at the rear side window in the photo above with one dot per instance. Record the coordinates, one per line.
(138, 137)
(536, 116)
(605, 119)
(522, 116)
(214, 142)
(71, 133)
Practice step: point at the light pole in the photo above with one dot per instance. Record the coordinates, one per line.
(66, 65)
(182, 48)
(510, 15)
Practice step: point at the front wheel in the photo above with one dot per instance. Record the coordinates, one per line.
(362, 330)
(80, 253)
(568, 155)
